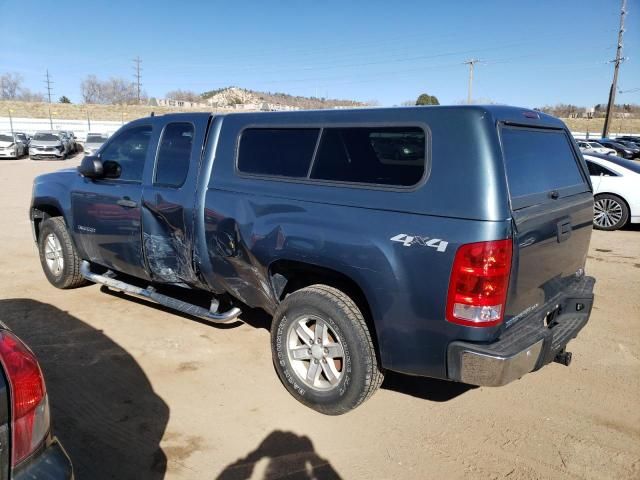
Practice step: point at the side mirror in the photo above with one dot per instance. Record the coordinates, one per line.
(91, 167)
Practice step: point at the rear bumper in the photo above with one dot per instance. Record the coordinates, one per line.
(526, 346)
(51, 463)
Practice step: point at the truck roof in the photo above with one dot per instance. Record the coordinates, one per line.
(502, 113)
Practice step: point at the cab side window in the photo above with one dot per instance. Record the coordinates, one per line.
(174, 154)
(129, 151)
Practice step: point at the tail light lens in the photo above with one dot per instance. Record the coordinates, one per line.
(29, 403)
(479, 283)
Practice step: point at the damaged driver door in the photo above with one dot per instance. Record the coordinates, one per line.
(168, 199)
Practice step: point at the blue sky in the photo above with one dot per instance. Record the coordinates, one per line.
(534, 52)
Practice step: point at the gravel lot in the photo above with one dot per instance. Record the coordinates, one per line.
(140, 392)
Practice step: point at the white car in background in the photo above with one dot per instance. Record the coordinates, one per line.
(616, 191)
(93, 142)
(587, 147)
(11, 146)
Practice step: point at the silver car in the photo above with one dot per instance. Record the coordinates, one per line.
(48, 144)
(11, 146)
(94, 142)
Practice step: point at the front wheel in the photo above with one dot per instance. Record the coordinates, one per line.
(610, 212)
(58, 255)
(323, 351)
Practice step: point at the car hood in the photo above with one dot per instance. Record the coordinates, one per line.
(93, 146)
(45, 143)
(4, 143)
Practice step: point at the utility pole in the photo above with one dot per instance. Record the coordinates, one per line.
(471, 64)
(137, 61)
(49, 82)
(619, 59)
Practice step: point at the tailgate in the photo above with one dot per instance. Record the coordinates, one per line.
(552, 211)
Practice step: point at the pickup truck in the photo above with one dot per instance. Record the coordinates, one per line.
(447, 242)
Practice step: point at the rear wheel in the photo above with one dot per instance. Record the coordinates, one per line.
(58, 255)
(610, 212)
(322, 350)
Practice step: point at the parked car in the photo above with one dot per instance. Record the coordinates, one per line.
(630, 138)
(25, 139)
(622, 150)
(11, 146)
(71, 139)
(353, 228)
(616, 186)
(587, 146)
(48, 144)
(635, 150)
(29, 449)
(93, 142)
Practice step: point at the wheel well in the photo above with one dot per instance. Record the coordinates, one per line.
(41, 213)
(287, 276)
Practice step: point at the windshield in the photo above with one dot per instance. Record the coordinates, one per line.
(96, 138)
(46, 137)
(21, 136)
(595, 145)
(6, 138)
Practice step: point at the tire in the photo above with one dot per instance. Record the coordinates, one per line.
(58, 255)
(610, 212)
(345, 363)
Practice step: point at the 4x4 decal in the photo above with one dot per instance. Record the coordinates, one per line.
(411, 240)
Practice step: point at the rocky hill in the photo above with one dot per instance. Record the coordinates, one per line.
(230, 96)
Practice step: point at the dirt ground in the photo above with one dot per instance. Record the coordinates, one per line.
(138, 392)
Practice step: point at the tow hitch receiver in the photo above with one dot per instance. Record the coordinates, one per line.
(563, 357)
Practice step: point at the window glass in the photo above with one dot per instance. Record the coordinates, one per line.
(375, 155)
(284, 152)
(174, 154)
(129, 150)
(597, 170)
(539, 161)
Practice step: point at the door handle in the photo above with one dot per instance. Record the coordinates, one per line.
(127, 202)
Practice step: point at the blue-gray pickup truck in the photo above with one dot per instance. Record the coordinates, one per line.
(447, 242)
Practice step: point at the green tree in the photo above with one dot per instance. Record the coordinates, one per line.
(426, 99)
(64, 99)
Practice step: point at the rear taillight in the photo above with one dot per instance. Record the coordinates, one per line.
(29, 404)
(479, 283)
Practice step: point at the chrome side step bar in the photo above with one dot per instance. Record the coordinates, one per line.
(212, 315)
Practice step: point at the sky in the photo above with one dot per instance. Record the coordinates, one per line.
(532, 53)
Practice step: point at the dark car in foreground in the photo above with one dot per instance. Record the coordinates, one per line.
(28, 450)
(446, 242)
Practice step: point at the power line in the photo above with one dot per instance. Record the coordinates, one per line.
(619, 59)
(48, 83)
(137, 61)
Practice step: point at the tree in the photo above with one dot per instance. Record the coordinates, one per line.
(64, 99)
(10, 86)
(183, 96)
(113, 91)
(426, 99)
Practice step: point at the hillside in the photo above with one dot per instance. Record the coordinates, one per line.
(236, 96)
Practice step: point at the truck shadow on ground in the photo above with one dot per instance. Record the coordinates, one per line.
(281, 455)
(103, 407)
(420, 387)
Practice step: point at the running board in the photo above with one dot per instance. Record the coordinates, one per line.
(212, 315)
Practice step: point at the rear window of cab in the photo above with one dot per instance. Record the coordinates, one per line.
(388, 156)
